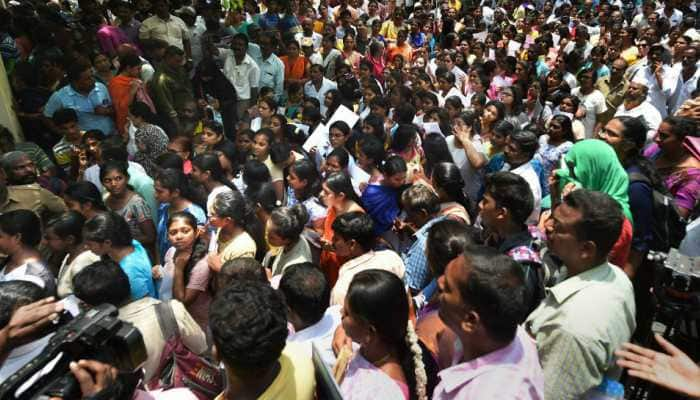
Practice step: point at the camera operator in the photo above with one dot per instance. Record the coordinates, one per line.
(24, 317)
(105, 282)
(100, 381)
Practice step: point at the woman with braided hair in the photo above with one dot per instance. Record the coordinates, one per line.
(391, 362)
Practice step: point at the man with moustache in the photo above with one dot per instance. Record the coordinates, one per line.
(21, 190)
(613, 87)
(482, 300)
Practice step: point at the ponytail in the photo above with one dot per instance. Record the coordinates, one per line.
(209, 162)
(233, 205)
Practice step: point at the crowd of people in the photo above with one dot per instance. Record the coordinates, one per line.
(443, 199)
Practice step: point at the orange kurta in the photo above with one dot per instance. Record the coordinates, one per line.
(294, 70)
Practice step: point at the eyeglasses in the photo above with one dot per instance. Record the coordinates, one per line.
(643, 45)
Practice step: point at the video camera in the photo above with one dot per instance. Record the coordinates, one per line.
(96, 334)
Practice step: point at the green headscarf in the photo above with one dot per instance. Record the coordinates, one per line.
(596, 167)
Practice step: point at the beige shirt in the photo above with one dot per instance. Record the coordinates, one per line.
(173, 30)
(276, 172)
(240, 246)
(386, 260)
(578, 326)
(67, 272)
(142, 313)
(299, 253)
(34, 198)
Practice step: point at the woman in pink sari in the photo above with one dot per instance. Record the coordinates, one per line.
(391, 362)
(676, 154)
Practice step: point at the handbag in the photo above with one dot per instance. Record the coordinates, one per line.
(180, 367)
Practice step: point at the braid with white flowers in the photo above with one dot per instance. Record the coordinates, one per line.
(419, 367)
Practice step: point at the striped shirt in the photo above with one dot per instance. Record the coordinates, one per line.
(63, 153)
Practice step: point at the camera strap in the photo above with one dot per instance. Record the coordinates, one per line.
(166, 320)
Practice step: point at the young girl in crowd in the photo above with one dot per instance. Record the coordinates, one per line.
(108, 234)
(405, 144)
(228, 157)
(555, 143)
(390, 362)
(182, 146)
(339, 197)
(85, 198)
(261, 149)
(284, 230)
(381, 200)
(151, 141)
(20, 234)
(126, 202)
(370, 156)
(305, 188)
(238, 231)
(264, 201)
(64, 235)
(174, 194)
(267, 107)
(186, 272)
(494, 111)
(213, 136)
(449, 186)
(207, 171)
(244, 144)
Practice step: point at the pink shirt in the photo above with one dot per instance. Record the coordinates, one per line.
(364, 381)
(513, 372)
(199, 280)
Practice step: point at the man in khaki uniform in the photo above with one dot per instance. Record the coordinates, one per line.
(613, 88)
(20, 189)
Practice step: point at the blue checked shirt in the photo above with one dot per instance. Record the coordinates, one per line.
(417, 270)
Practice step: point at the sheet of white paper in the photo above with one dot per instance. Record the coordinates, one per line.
(344, 114)
(318, 138)
(480, 36)
(432, 127)
(513, 48)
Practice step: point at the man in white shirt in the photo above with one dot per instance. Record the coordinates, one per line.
(166, 27)
(307, 294)
(580, 42)
(640, 20)
(636, 105)
(671, 13)
(307, 31)
(688, 75)
(521, 146)
(659, 78)
(592, 100)
(242, 71)
(271, 67)
(318, 86)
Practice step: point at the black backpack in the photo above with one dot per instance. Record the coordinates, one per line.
(668, 225)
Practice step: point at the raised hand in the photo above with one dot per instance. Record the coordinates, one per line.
(674, 371)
